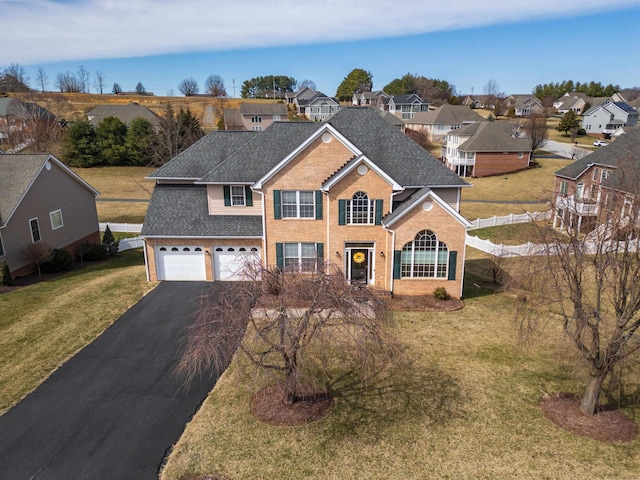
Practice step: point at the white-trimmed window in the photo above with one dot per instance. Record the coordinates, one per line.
(424, 257)
(605, 175)
(237, 196)
(300, 256)
(298, 204)
(256, 128)
(34, 226)
(360, 209)
(595, 174)
(579, 190)
(564, 187)
(256, 119)
(56, 219)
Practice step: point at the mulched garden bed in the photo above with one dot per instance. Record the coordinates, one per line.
(425, 303)
(268, 406)
(608, 425)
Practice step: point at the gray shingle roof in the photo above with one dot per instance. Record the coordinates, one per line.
(263, 109)
(182, 211)
(204, 155)
(625, 148)
(23, 110)
(404, 206)
(16, 174)
(491, 137)
(447, 115)
(233, 119)
(126, 113)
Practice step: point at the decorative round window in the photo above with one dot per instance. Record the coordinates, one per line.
(326, 137)
(362, 169)
(427, 206)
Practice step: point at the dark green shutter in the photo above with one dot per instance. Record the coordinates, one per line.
(452, 265)
(320, 252)
(379, 207)
(248, 196)
(279, 255)
(342, 212)
(277, 207)
(318, 205)
(227, 195)
(397, 258)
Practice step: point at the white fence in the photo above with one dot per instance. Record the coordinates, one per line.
(496, 221)
(499, 250)
(129, 243)
(122, 227)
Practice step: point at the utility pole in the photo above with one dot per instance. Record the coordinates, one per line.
(234, 87)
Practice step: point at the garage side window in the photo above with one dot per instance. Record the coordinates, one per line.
(35, 230)
(56, 219)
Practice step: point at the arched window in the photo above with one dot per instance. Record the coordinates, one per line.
(424, 257)
(360, 209)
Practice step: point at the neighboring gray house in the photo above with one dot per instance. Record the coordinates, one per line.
(125, 113)
(42, 200)
(378, 99)
(254, 116)
(304, 94)
(606, 118)
(406, 106)
(444, 119)
(524, 105)
(319, 107)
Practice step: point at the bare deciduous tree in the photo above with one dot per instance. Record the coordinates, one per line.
(99, 81)
(37, 254)
(42, 79)
(83, 79)
(214, 86)
(305, 329)
(535, 128)
(590, 281)
(67, 82)
(494, 97)
(189, 87)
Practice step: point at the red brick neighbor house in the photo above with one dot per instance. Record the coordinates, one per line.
(604, 183)
(42, 200)
(352, 191)
(486, 148)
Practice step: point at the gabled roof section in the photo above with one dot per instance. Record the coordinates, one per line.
(391, 150)
(266, 149)
(416, 200)
(319, 131)
(23, 110)
(492, 137)
(447, 115)
(625, 148)
(125, 113)
(263, 109)
(18, 172)
(182, 211)
(351, 165)
(407, 99)
(204, 155)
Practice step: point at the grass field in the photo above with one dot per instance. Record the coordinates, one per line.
(43, 325)
(468, 410)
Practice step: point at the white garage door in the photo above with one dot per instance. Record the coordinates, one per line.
(180, 263)
(229, 262)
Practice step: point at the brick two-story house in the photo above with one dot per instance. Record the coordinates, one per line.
(604, 183)
(352, 191)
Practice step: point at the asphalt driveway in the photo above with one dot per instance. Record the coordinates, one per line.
(113, 410)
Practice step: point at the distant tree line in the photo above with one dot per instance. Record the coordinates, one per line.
(112, 142)
(558, 89)
(435, 90)
(270, 86)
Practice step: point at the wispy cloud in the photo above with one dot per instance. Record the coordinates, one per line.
(47, 31)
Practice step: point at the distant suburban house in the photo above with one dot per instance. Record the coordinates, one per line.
(254, 116)
(444, 119)
(606, 118)
(392, 119)
(571, 102)
(352, 192)
(604, 183)
(319, 107)
(406, 106)
(524, 105)
(42, 200)
(486, 148)
(304, 93)
(478, 101)
(125, 113)
(378, 99)
(15, 115)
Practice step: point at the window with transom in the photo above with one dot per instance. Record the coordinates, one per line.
(424, 257)
(360, 209)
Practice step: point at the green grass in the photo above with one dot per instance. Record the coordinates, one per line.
(516, 234)
(467, 409)
(44, 324)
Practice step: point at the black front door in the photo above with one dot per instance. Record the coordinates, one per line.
(359, 265)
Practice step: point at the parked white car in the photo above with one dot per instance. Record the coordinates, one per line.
(600, 143)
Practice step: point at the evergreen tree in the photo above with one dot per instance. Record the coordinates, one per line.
(5, 274)
(140, 142)
(79, 147)
(357, 81)
(110, 136)
(110, 242)
(568, 122)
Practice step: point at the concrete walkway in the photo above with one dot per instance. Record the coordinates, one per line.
(115, 408)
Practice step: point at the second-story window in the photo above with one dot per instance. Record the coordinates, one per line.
(360, 209)
(298, 204)
(256, 119)
(564, 187)
(237, 195)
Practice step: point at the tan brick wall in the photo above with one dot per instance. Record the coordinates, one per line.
(305, 172)
(448, 230)
(496, 163)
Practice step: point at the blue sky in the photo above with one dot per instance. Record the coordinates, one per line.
(466, 42)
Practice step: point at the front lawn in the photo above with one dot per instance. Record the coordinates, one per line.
(44, 324)
(468, 409)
